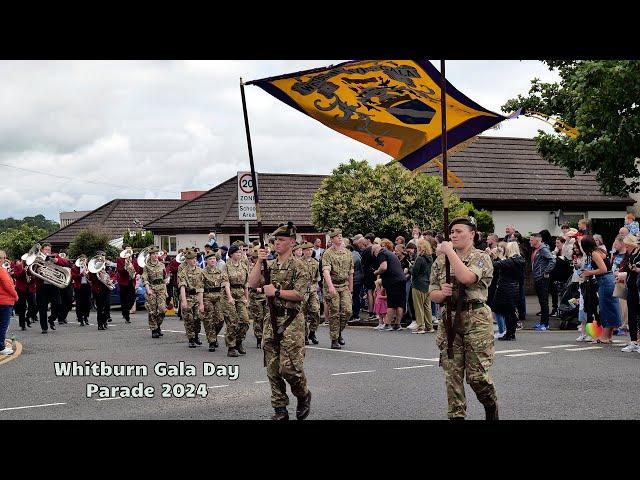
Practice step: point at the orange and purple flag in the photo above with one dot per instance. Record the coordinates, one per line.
(390, 105)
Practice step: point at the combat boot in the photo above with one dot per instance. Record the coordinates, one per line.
(281, 414)
(335, 345)
(240, 348)
(312, 337)
(215, 343)
(491, 412)
(232, 352)
(304, 407)
(192, 343)
(160, 334)
(212, 347)
(197, 340)
(259, 343)
(154, 333)
(341, 340)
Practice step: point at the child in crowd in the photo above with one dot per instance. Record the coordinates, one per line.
(631, 224)
(380, 305)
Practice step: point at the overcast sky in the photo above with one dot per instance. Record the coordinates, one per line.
(155, 128)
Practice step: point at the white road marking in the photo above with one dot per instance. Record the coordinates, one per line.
(560, 346)
(581, 349)
(31, 406)
(351, 373)
(415, 366)
(375, 354)
(509, 351)
(526, 354)
(105, 399)
(218, 386)
(262, 381)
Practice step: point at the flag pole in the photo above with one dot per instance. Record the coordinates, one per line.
(445, 203)
(253, 170)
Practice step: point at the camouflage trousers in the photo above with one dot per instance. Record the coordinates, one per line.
(258, 311)
(237, 318)
(284, 360)
(156, 307)
(473, 352)
(311, 310)
(192, 317)
(213, 318)
(340, 308)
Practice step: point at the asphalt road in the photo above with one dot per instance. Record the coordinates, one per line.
(379, 375)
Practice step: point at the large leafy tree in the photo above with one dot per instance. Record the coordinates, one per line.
(37, 221)
(90, 241)
(601, 98)
(16, 241)
(386, 200)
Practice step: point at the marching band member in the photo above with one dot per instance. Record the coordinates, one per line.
(126, 281)
(47, 293)
(102, 297)
(82, 290)
(22, 287)
(66, 297)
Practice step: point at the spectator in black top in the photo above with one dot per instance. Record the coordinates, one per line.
(507, 295)
(368, 266)
(629, 265)
(358, 277)
(393, 281)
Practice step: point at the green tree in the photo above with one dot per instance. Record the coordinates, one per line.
(19, 240)
(387, 200)
(90, 241)
(601, 98)
(37, 221)
(138, 239)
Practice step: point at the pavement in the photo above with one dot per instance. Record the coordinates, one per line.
(378, 375)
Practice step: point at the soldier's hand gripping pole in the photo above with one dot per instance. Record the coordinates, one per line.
(267, 275)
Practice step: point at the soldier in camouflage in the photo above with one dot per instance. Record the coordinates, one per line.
(234, 280)
(473, 347)
(284, 348)
(258, 309)
(154, 276)
(337, 271)
(212, 298)
(311, 307)
(191, 285)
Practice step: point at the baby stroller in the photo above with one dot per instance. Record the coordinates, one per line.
(569, 304)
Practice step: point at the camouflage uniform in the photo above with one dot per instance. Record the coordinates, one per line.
(284, 358)
(258, 309)
(236, 276)
(473, 348)
(193, 280)
(340, 266)
(154, 275)
(213, 318)
(311, 307)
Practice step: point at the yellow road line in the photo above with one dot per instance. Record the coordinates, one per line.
(15, 355)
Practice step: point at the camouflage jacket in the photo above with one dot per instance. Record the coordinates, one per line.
(479, 263)
(292, 274)
(340, 265)
(154, 272)
(191, 279)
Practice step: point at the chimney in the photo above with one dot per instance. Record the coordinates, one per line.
(190, 195)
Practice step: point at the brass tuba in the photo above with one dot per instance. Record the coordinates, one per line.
(143, 256)
(98, 266)
(40, 267)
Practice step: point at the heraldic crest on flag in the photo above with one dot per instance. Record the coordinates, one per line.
(390, 105)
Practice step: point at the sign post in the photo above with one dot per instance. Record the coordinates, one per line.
(246, 197)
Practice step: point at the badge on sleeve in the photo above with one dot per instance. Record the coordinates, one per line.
(481, 263)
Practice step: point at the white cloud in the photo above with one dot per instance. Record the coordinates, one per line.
(155, 128)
